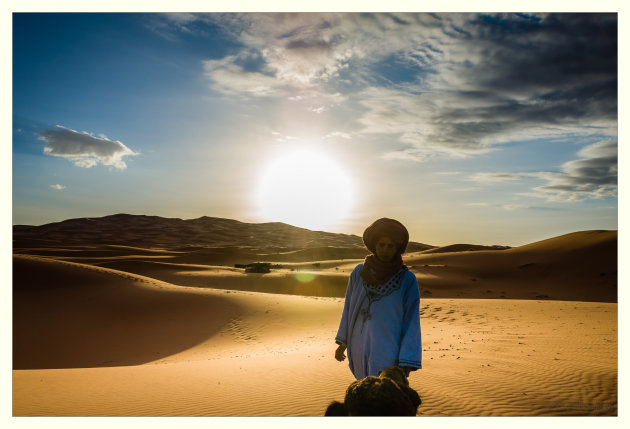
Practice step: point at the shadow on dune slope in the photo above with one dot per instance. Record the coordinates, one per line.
(74, 316)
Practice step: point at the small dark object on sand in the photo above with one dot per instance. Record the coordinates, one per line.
(388, 394)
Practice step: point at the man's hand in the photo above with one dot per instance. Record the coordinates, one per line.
(407, 369)
(339, 353)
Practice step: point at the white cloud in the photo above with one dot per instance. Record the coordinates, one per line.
(283, 53)
(403, 155)
(314, 96)
(496, 177)
(58, 187)
(300, 49)
(283, 138)
(306, 51)
(228, 77)
(339, 134)
(84, 149)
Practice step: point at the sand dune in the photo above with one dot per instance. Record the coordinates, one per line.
(90, 340)
(581, 266)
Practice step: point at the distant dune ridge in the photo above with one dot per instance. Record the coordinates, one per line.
(141, 230)
(129, 326)
(464, 248)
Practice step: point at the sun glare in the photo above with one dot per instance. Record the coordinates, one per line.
(305, 189)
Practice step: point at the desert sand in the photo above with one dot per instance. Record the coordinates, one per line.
(121, 331)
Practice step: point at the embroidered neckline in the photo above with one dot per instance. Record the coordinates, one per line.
(376, 292)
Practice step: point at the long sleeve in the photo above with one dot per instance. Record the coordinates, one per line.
(411, 341)
(342, 332)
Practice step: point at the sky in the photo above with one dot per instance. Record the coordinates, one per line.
(484, 128)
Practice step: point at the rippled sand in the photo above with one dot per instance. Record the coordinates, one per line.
(119, 344)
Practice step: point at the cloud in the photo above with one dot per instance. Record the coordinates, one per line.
(229, 76)
(339, 134)
(171, 26)
(496, 177)
(511, 207)
(449, 85)
(279, 137)
(84, 149)
(414, 118)
(317, 53)
(300, 49)
(282, 54)
(318, 109)
(58, 187)
(504, 78)
(594, 175)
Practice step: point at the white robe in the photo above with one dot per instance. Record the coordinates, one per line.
(381, 325)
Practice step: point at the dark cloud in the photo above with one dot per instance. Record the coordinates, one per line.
(556, 51)
(566, 60)
(492, 79)
(593, 175)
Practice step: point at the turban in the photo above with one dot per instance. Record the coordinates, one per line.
(386, 227)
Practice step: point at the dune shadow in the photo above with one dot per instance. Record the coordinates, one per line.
(71, 317)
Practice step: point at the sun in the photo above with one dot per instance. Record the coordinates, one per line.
(305, 188)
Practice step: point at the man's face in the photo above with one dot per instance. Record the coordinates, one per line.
(386, 249)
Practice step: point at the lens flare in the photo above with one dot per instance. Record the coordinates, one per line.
(305, 277)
